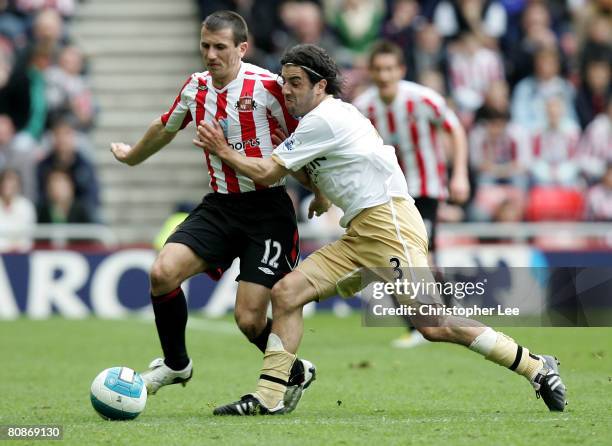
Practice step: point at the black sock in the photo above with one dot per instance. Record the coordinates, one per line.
(171, 319)
(261, 341)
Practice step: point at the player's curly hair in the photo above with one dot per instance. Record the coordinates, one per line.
(317, 64)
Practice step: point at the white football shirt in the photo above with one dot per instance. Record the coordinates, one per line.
(345, 157)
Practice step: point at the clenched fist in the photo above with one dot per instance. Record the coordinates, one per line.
(121, 152)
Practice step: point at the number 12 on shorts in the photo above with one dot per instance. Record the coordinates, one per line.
(270, 245)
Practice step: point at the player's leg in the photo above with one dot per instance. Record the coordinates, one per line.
(174, 264)
(428, 208)
(540, 371)
(250, 312)
(200, 243)
(315, 278)
(288, 298)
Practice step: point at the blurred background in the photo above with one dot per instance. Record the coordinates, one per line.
(530, 81)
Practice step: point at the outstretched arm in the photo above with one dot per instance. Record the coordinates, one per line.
(154, 139)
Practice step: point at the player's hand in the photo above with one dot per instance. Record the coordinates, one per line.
(211, 137)
(318, 206)
(121, 152)
(459, 188)
(278, 136)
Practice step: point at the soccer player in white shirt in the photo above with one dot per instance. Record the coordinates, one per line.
(240, 218)
(345, 158)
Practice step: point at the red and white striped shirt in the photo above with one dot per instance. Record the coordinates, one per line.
(556, 146)
(595, 147)
(412, 123)
(249, 109)
(471, 75)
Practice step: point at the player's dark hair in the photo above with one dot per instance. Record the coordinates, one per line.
(317, 64)
(386, 47)
(228, 19)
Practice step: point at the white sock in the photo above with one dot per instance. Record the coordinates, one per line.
(484, 342)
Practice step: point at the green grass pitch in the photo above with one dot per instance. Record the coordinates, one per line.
(366, 392)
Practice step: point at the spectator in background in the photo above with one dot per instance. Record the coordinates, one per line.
(594, 25)
(12, 26)
(64, 7)
(554, 149)
(429, 53)
(67, 92)
(595, 147)
(37, 117)
(16, 100)
(60, 204)
(17, 214)
(401, 28)
(598, 43)
(530, 94)
(23, 96)
(66, 156)
(357, 23)
(496, 98)
(303, 23)
(48, 33)
(594, 89)
(499, 151)
(12, 157)
(536, 34)
(599, 198)
(486, 20)
(473, 68)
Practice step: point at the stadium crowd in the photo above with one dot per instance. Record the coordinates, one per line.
(530, 81)
(46, 112)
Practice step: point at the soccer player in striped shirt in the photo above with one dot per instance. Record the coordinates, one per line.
(415, 120)
(240, 218)
(346, 158)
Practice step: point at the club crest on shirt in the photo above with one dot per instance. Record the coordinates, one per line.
(245, 104)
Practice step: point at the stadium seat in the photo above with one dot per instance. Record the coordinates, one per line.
(555, 203)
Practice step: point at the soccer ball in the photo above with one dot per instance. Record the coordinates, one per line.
(118, 393)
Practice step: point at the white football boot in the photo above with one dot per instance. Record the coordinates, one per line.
(159, 375)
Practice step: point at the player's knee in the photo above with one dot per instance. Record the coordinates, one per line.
(164, 277)
(281, 296)
(435, 334)
(250, 323)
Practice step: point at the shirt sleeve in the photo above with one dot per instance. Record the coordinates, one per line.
(179, 115)
(312, 139)
(442, 114)
(276, 104)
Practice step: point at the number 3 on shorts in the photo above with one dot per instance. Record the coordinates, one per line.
(266, 260)
(395, 262)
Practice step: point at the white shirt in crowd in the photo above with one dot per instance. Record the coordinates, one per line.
(17, 221)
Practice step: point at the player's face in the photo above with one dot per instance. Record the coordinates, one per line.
(300, 95)
(220, 55)
(386, 72)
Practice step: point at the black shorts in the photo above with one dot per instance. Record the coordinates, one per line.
(258, 227)
(428, 208)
